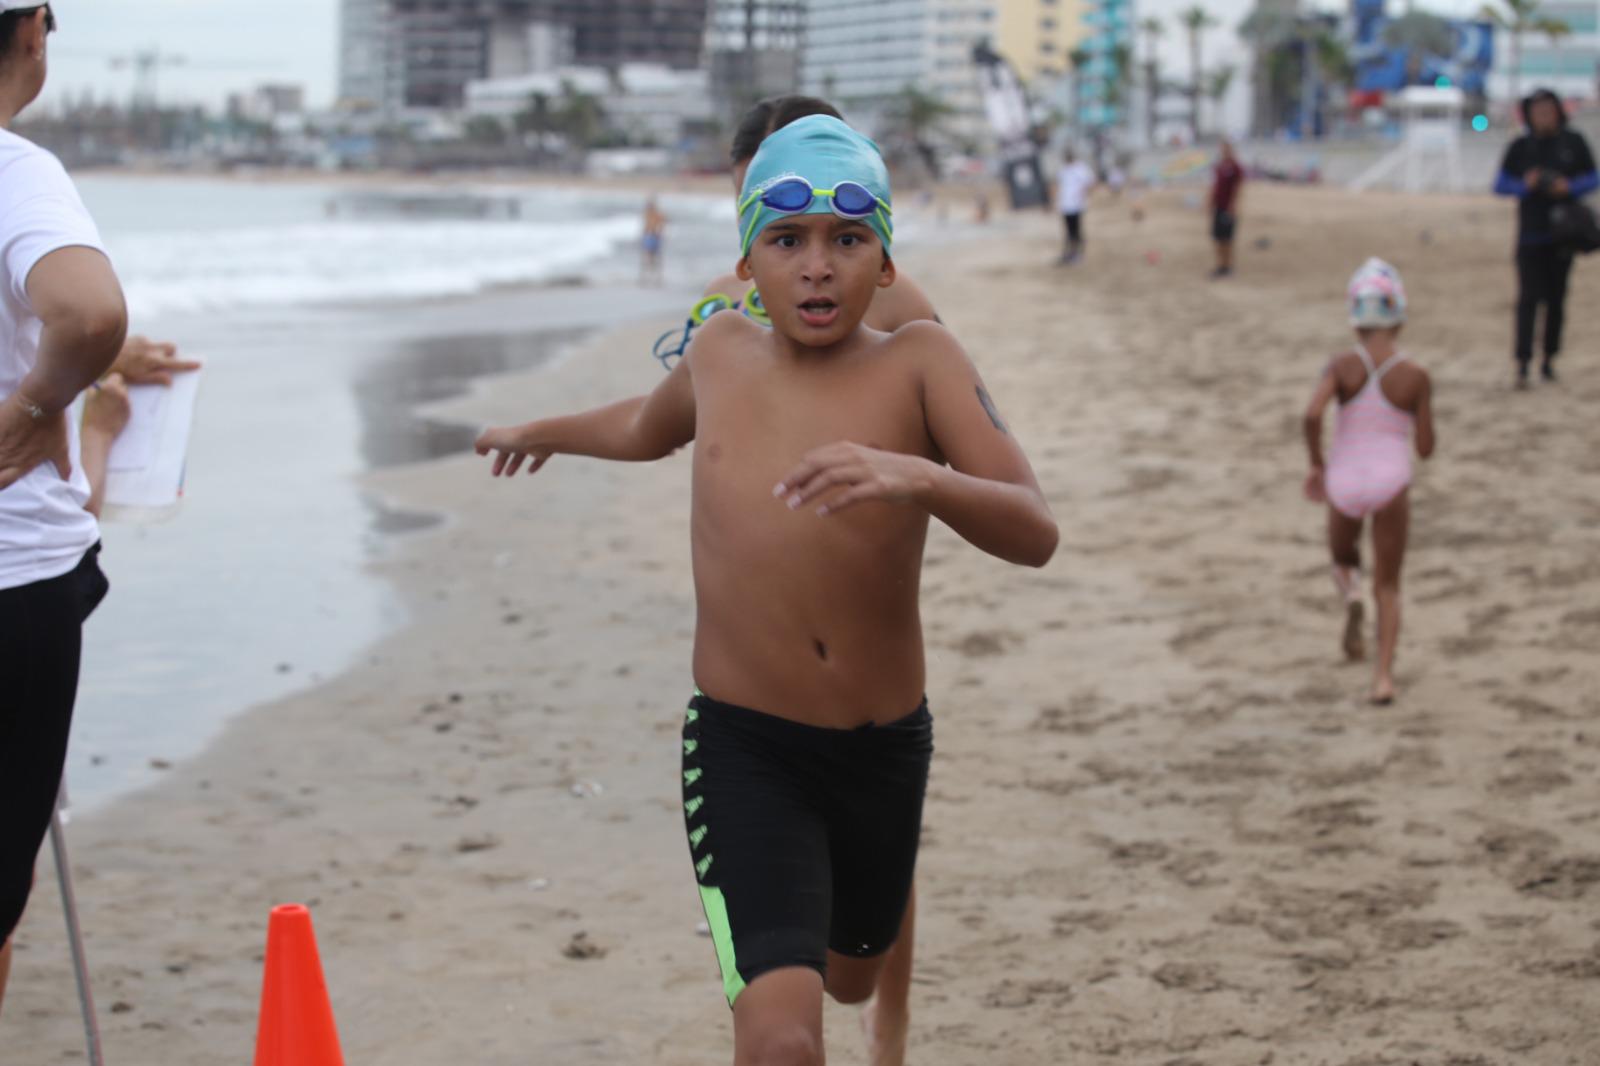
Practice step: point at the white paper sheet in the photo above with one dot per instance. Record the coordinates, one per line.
(145, 469)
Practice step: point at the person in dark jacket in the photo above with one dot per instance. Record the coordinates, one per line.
(1548, 165)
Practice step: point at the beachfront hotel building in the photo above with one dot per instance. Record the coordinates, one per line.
(1569, 65)
(1109, 29)
(753, 48)
(400, 55)
(1038, 36)
(862, 55)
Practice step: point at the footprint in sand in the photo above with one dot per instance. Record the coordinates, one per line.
(1566, 879)
(1070, 922)
(1196, 977)
(1012, 994)
(982, 644)
(1417, 935)
(1533, 772)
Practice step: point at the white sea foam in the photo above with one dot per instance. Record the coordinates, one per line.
(184, 246)
(342, 262)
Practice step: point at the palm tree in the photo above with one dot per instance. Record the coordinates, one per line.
(1557, 30)
(1332, 57)
(1519, 17)
(1078, 60)
(1195, 20)
(581, 117)
(1269, 29)
(1218, 82)
(918, 115)
(1122, 77)
(1152, 29)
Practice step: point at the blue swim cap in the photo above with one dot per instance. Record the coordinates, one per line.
(824, 151)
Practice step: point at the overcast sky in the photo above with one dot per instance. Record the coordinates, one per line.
(230, 45)
(224, 45)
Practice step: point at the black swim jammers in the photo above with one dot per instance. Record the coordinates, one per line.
(804, 839)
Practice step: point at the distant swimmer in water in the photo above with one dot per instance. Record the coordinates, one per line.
(655, 230)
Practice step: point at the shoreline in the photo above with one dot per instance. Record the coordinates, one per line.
(391, 367)
(1162, 825)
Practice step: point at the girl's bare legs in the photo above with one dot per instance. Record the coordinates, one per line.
(887, 1017)
(1344, 544)
(1390, 527)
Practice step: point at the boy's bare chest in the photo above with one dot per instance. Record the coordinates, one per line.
(768, 422)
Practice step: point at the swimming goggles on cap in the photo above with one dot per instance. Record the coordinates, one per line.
(794, 194)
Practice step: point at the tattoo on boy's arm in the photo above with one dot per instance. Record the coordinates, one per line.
(988, 409)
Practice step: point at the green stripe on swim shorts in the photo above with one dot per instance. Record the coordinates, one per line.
(691, 715)
(693, 805)
(689, 746)
(697, 836)
(722, 936)
(691, 776)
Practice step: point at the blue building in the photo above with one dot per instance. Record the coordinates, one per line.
(1109, 42)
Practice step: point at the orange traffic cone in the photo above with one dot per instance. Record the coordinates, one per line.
(296, 1027)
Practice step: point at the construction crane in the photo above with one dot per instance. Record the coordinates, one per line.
(146, 65)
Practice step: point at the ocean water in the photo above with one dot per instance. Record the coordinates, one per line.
(195, 245)
(320, 336)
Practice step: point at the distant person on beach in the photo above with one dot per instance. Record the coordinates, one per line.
(1074, 182)
(62, 324)
(655, 232)
(807, 743)
(1550, 165)
(1226, 181)
(1384, 398)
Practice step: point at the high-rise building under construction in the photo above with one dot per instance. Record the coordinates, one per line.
(399, 54)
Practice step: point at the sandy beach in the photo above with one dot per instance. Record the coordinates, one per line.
(1164, 826)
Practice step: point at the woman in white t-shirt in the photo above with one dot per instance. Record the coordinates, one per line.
(62, 324)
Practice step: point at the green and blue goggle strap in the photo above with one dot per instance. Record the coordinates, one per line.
(668, 353)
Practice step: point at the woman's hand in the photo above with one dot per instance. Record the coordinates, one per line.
(106, 410)
(143, 361)
(27, 441)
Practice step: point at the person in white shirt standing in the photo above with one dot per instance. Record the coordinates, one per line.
(1073, 185)
(62, 325)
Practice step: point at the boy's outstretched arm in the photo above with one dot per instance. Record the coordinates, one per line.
(635, 430)
(987, 493)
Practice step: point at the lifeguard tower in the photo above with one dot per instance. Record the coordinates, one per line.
(1429, 154)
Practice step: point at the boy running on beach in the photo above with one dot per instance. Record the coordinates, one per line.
(822, 447)
(1383, 397)
(886, 1015)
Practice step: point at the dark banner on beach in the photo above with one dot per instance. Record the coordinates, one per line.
(1005, 102)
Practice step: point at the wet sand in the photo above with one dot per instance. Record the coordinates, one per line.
(1164, 826)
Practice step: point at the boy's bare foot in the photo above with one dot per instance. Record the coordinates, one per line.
(1355, 646)
(1383, 692)
(886, 1036)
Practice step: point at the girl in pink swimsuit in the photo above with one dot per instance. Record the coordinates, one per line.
(1384, 399)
